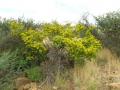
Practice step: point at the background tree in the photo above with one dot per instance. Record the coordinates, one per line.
(109, 27)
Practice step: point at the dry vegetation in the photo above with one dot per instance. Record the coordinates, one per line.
(100, 74)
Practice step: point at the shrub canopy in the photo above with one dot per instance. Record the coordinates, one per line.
(76, 40)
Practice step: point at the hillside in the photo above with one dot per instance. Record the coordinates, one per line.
(55, 56)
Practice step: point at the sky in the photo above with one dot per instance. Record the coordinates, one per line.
(60, 10)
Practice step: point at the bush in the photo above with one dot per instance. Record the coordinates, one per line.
(6, 59)
(34, 74)
(109, 25)
(76, 40)
(55, 45)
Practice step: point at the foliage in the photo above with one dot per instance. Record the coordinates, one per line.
(52, 29)
(5, 59)
(33, 43)
(109, 22)
(16, 27)
(77, 47)
(77, 40)
(9, 33)
(109, 25)
(24, 45)
(35, 73)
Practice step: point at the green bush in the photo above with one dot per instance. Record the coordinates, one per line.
(4, 59)
(34, 73)
(109, 25)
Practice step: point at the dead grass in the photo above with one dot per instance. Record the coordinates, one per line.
(95, 75)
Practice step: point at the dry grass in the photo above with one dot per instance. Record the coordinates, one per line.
(95, 75)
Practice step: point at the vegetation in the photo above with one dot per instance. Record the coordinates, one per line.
(59, 56)
(108, 24)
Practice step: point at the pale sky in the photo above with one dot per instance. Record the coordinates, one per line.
(60, 10)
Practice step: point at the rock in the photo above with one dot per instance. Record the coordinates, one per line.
(21, 82)
(30, 86)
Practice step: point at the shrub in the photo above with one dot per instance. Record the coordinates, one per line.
(34, 73)
(109, 25)
(5, 59)
(80, 46)
(76, 40)
(34, 48)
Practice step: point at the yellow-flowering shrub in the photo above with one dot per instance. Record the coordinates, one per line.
(16, 27)
(76, 40)
(78, 48)
(33, 42)
(52, 29)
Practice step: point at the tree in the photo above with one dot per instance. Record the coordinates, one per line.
(109, 25)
